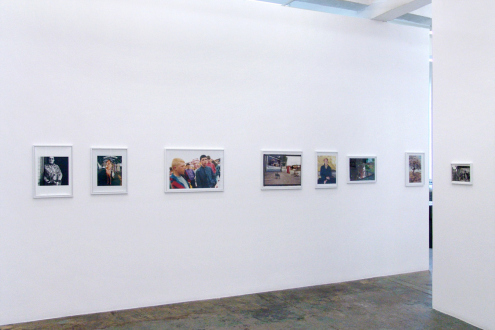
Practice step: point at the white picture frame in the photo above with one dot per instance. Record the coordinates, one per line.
(281, 170)
(52, 171)
(207, 178)
(415, 169)
(361, 169)
(327, 182)
(461, 173)
(109, 168)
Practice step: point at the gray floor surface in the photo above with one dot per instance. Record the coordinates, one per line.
(392, 302)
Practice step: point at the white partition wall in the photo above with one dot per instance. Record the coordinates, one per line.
(463, 131)
(240, 76)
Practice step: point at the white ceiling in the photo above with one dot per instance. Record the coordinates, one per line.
(410, 12)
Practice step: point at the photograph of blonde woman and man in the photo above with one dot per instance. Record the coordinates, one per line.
(362, 169)
(326, 167)
(281, 170)
(194, 170)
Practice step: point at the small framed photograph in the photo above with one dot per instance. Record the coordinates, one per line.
(281, 170)
(52, 169)
(461, 173)
(326, 169)
(362, 169)
(108, 171)
(194, 170)
(415, 164)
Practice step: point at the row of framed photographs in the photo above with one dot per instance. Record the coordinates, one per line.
(193, 170)
(53, 172)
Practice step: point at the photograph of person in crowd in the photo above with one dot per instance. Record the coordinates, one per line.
(191, 175)
(205, 176)
(194, 169)
(178, 180)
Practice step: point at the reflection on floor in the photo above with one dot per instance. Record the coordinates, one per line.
(392, 302)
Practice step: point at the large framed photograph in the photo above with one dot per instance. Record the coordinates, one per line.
(362, 169)
(52, 171)
(194, 170)
(462, 173)
(281, 170)
(415, 164)
(109, 171)
(326, 169)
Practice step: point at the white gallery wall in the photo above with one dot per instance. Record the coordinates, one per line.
(463, 131)
(238, 75)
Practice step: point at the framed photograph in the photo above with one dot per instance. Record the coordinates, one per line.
(108, 171)
(461, 173)
(52, 171)
(362, 169)
(326, 169)
(281, 170)
(194, 170)
(415, 165)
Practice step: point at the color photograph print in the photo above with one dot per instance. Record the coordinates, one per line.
(415, 169)
(194, 170)
(461, 173)
(52, 171)
(362, 169)
(326, 169)
(281, 170)
(108, 171)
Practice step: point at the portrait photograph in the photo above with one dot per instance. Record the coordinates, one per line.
(326, 169)
(461, 173)
(108, 171)
(415, 169)
(362, 169)
(52, 171)
(194, 170)
(281, 170)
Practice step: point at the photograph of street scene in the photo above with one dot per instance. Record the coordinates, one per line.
(194, 170)
(362, 169)
(282, 170)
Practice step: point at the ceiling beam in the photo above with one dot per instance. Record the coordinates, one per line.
(387, 10)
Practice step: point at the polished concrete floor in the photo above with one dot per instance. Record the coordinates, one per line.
(392, 302)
